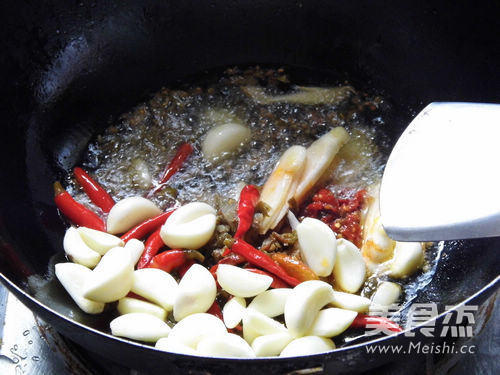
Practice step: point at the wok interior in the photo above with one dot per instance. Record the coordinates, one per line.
(73, 67)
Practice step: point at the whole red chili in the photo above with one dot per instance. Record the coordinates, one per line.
(95, 192)
(77, 213)
(173, 167)
(232, 259)
(153, 244)
(262, 260)
(249, 197)
(147, 226)
(215, 310)
(172, 259)
(375, 322)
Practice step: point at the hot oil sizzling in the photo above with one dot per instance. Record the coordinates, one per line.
(152, 132)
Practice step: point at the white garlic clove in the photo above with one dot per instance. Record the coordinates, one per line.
(271, 345)
(387, 293)
(350, 301)
(193, 328)
(320, 155)
(350, 268)
(139, 326)
(72, 277)
(224, 139)
(112, 278)
(408, 259)
(155, 285)
(136, 249)
(224, 345)
(189, 227)
(173, 346)
(233, 311)
(257, 324)
(304, 303)
(240, 282)
(196, 292)
(307, 345)
(99, 241)
(332, 322)
(129, 305)
(129, 212)
(318, 245)
(78, 251)
(271, 302)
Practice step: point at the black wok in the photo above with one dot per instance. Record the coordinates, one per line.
(68, 67)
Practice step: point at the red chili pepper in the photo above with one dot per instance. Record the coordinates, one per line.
(146, 227)
(249, 197)
(171, 259)
(183, 268)
(153, 244)
(262, 260)
(384, 324)
(277, 282)
(95, 192)
(175, 164)
(77, 213)
(215, 310)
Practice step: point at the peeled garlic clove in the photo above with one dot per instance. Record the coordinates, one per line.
(129, 212)
(350, 301)
(72, 277)
(319, 157)
(271, 302)
(304, 303)
(139, 326)
(240, 282)
(168, 345)
(155, 285)
(136, 249)
(112, 278)
(196, 293)
(256, 324)
(78, 251)
(332, 322)
(271, 345)
(281, 185)
(233, 311)
(408, 258)
(318, 245)
(307, 345)
(387, 293)
(224, 345)
(99, 241)
(133, 305)
(350, 268)
(193, 328)
(223, 139)
(189, 227)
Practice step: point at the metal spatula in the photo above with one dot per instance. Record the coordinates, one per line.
(442, 180)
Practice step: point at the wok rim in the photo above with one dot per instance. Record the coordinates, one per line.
(22, 295)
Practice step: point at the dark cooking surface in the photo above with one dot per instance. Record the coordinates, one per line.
(33, 346)
(69, 65)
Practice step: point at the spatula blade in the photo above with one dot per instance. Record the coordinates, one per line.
(442, 179)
